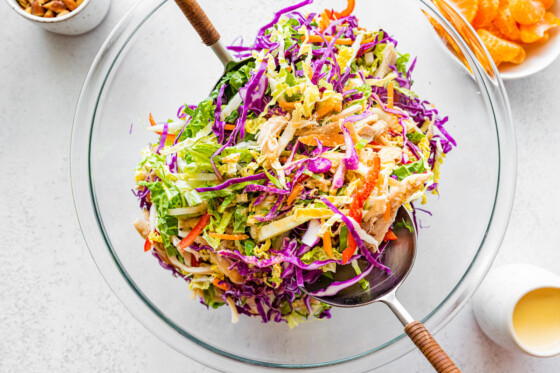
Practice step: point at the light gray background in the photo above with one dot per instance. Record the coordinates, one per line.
(56, 312)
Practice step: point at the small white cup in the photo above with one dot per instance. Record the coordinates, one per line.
(79, 21)
(496, 299)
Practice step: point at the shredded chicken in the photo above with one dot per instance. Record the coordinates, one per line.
(389, 58)
(369, 119)
(389, 154)
(146, 214)
(391, 120)
(267, 138)
(371, 132)
(224, 265)
(374, 222)
(143, 227)
(285, 139)
(332, 128)
(162, 253)
(233, 308)
(187, 269)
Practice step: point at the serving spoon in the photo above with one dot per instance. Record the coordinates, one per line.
(398, 255)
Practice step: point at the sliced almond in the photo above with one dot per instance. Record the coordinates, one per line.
(23, 3)
(56, 6)
(70, 4)
(49, 14)
(37, 9)
(63, 13)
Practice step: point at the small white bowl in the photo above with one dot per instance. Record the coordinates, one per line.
(495, 301)
(81, 20)
(539, 55)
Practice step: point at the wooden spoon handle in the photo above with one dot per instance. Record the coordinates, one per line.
(199, 21)
(430, 348)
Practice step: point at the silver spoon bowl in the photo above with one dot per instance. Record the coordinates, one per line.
(398, 256)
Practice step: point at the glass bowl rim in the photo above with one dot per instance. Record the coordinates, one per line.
(142, 308)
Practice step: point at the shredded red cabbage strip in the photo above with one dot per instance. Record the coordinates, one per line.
(230, 182)
(336, 287)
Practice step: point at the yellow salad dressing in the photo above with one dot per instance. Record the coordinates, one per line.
(536, 318)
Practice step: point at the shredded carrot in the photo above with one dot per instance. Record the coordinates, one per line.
(224, 286)
(379, 183)
(231, 237)
(368, 40)
(324, 110)
(346, 12)
(169, 137)
(327, 245)
(152, 121)
(390, 236)
(295, 192)
(288, 105)
(387, 214)
(229, 127)
(340, 41)
(326, 140)
(390, 93)
(357, 206)
(324, 21)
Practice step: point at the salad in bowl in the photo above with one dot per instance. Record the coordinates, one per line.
(296, 163)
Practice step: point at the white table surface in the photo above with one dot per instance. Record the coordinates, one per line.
(56, 312)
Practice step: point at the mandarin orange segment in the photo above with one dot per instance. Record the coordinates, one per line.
(487, 11)
(495, 30)
(547, 3)
(520, 56)
(501, 50)
(537, 31)
(505, 23)
(526, 12)
(467, 7)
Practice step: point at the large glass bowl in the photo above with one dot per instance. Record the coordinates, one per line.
(154, 62)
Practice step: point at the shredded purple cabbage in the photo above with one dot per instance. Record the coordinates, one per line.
(233, 181)
(263, 188)
(163, 138)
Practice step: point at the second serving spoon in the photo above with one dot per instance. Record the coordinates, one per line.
(209, 35)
